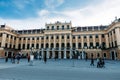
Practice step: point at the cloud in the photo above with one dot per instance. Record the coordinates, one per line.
(21, 4)
(43, 12)
(90, 15)
(53, 3)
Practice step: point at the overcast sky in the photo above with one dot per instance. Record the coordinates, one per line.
(33, 14)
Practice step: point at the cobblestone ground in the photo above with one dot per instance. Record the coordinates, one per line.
(59, 70)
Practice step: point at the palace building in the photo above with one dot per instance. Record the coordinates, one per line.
(63, 41)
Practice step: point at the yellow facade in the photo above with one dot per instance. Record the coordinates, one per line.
(63, 41)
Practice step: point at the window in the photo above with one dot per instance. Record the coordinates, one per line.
(51, 37)
(52, 45)
(62, 27)
(15, 38)
(85, 44)
(57, 37)
(73, 37)
(32, 45)
(7, 35)
(90, 36)
(79, 45)
(32, 38)
(68, 45)
(57, 27)
(91, 44)
(67, 26)
(96, 36)
(0, 34)
(47, 27)
(19, 38)
(74, 45)
(62, 37)
(42, 38)
(52, 27)
(37, 38)
(28, 46)
(68, 37)
(23, 46)
(47, 45)
(57, 45)
(115, 43)
(28, 38)
(84, 36)
(46, 37)
(37, 46)
(78, 37)
(103, 36)
(42, 45)
(11, 36)
(97, 44)
(62, 45)
(105, 55)
(24, 38)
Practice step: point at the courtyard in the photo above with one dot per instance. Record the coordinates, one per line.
(59, 70)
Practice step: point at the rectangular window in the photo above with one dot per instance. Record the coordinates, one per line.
(96, 36)
(78, 37)
(103, 36)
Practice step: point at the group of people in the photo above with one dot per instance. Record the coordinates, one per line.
(100, 62)
(15, 56)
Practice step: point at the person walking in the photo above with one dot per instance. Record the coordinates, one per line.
(28, 57)
(6, 59)
(92, 60)
(45, 58)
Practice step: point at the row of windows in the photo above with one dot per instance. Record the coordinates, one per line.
(58, 27)
(97, 45)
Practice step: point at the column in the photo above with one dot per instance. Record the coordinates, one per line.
(59, 54)
(42, 53)
(21, 43)
(70, 40)
(53, 53)
(12, 42)
(117, 34)
(110, 41)
(16, 43)
(60, 42)
(82, 43)
(9, 41)
(88, 42)
(26, 43)
(106, 40)
(49, 37)
(30, 42)
(94, 40)
(54, 41)
(39, 42)
(100, 41)
(65, 40)
(65, 53)
(113, 38)
(76, 37)
(35, 43)
(48, 54)
(44, 41)
(70, 53)
(3, 40)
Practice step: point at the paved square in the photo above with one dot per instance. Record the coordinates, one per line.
(59, 70)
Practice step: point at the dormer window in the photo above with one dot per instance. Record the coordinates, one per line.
(52, 27)
(47, 27)
(57, 27)
(68, 27)
(62, 27)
